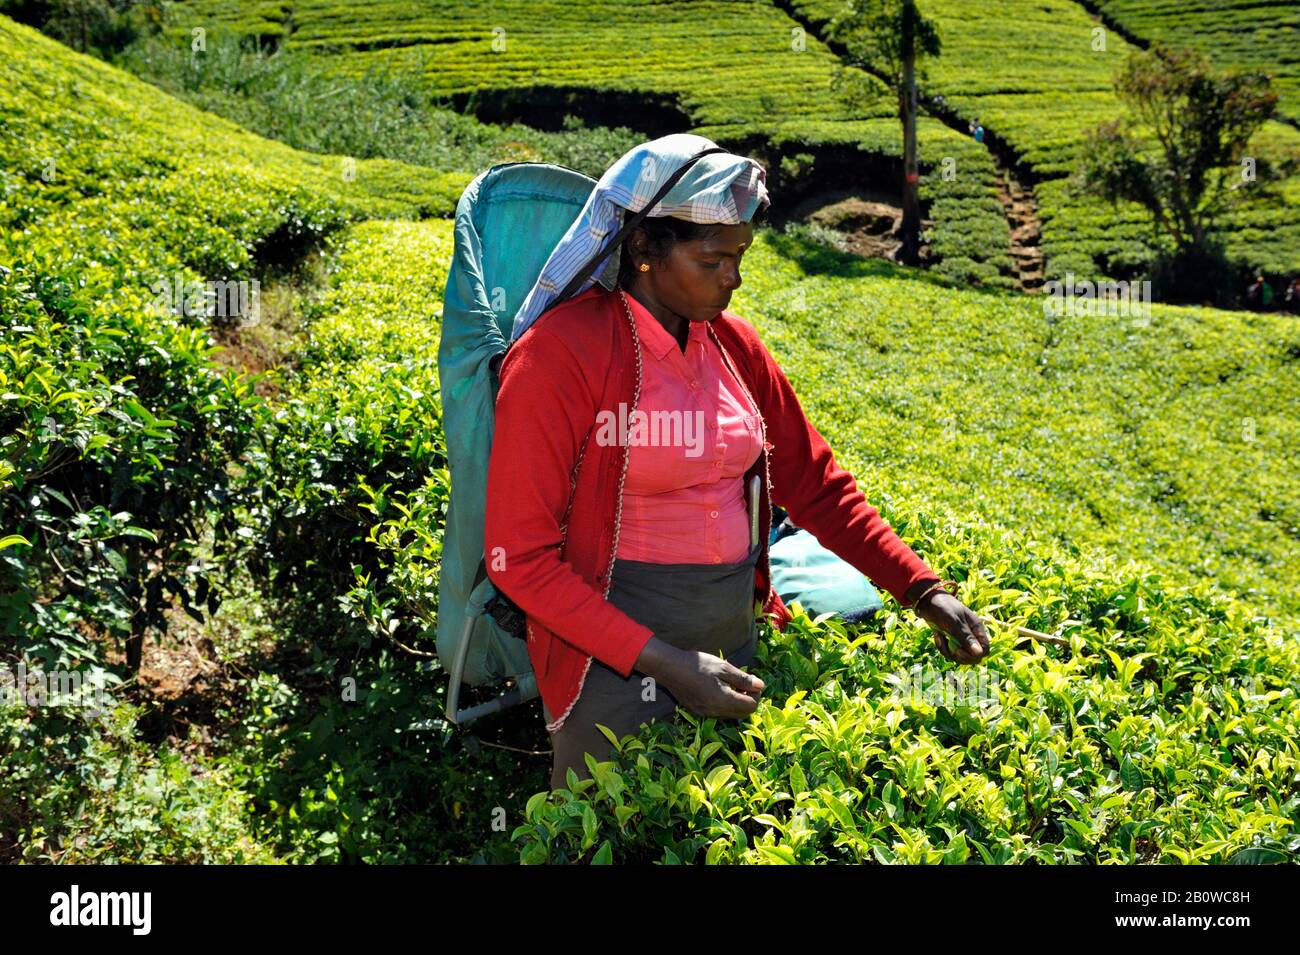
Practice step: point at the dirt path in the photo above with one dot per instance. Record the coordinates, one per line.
(1015, 195)
(1021, 210)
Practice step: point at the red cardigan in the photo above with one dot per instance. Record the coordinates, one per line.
(549, 527)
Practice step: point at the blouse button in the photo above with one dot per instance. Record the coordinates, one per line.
(713, 513)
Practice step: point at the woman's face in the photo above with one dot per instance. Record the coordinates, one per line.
(699, 276)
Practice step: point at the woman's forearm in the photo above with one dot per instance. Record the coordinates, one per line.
(657, 659)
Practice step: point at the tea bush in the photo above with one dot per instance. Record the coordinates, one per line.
(360, 428)
(104, 497)
(351, 486)
(119, 430)
(1165, 733)
(989, 404)
(81, 788)
(119, 423)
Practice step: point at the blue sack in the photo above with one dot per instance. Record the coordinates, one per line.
(804, 570)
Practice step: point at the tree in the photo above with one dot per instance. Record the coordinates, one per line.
(99, 27)
(1200, 123)
(889, 38)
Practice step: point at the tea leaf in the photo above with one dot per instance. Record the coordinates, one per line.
(797, 780)
(1131, 776)
(609, 735)
(1258, 855)
(840, 810)
(781, 855)
(957, 852)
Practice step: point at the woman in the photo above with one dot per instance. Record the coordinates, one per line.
(629, 420)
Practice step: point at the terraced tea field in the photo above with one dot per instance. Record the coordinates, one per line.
(746, 73)
(1253, 34)
(1042, 98)
(742, 73)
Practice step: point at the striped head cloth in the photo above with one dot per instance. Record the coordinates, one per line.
(720, 188)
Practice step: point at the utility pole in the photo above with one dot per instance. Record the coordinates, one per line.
(910, 228)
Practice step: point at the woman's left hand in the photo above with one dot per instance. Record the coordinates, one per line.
(950, 617)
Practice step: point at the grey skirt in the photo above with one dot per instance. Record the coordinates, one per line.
(705, 607)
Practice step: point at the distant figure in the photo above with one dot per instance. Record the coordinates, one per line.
(979, 132)
(1259, 295)
(1293, 296)
(939, 100)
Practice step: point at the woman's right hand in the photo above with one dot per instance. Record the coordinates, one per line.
(703, 684)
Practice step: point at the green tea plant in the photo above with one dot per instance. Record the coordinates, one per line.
(351, 485)
(119, 423)
(1165, 739)
(987, 405)
(105, 495)
(361, 427)
(83, 789)
(120, 431)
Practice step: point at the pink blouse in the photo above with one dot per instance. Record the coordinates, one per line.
(683, 499)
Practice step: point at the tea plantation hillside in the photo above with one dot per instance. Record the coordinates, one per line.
(1127, 486)
(1166, 441)
(759, 78)
(85, 145)
(743, 74)
(1257, 34)
(120, 430)
(1040, 99)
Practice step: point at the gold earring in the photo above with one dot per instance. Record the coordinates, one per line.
(644, 267)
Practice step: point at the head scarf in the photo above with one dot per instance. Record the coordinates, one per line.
(720, 188)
